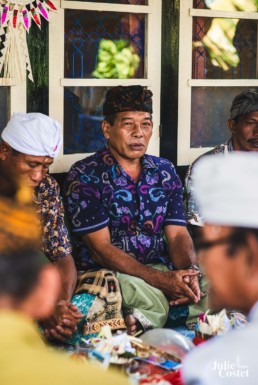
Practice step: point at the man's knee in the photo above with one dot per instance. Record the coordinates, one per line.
(139, 295)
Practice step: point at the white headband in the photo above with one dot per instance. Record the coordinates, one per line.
(226, 189)
(33, 134)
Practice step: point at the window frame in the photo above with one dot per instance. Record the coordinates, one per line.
(57, 82)
(186, 154)
(18, 97)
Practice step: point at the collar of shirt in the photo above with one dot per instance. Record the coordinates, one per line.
(147, 161)
(229, 145)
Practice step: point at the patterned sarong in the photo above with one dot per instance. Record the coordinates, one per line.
(106, 307)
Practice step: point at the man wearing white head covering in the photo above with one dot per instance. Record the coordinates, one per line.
(33, 134)
(226, 192)
(30, 142)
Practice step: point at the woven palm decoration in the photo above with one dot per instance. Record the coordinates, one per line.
(16, 17)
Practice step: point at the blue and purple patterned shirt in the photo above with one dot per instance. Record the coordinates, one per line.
(99, 193)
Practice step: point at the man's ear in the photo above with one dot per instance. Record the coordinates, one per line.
(105, 128)
(232, 125)
(5, 151)
(41, 302)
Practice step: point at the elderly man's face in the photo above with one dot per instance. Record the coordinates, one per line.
(226, 273)
(129, 136)
(29, 168)
(245, 132)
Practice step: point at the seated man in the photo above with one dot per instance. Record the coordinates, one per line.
(226, 192)
(243, 126)
(125, 209)
(30, 142)
(29, 289)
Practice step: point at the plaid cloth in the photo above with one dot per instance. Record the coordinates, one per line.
(106, 308)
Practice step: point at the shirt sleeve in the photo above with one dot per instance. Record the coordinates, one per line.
(85, 207)
(192, 213)
(56, 242)
(175, 211)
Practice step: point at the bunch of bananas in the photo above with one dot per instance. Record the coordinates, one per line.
(116, 60)
(219, 38)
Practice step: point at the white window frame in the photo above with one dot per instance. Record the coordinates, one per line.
(186, 154)
(57, 82)
(18, 99)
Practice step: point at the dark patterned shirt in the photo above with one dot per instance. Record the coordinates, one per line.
(50, 209)
(100, 193)
(192, 212)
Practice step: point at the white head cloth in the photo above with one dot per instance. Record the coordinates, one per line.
(226, 189)
(33, 134)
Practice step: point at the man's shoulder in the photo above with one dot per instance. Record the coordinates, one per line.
(48, 182)
(85, 162)
(95, 161)
(159, 162)
(218, 150)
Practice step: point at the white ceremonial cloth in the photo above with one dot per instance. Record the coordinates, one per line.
(226, 188)
(33, 134)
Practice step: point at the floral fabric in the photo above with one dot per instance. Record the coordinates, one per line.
(55, 238)
(100, 193)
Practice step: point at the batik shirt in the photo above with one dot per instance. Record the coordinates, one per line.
(192, 212)
(101, 194)
(50, 210)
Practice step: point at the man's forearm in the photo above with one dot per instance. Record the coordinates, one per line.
(110, 257)
(180, 246)
(68, 273)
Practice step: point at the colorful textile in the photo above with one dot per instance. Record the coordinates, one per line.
(33, 134)
(191, 208)
(129, 98)
(100, 194)
(83, 302)
(106, 308)
(50, 210)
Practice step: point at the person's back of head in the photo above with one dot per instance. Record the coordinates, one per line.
(27, 280)
(18, 223)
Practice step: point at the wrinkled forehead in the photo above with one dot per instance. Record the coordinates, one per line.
(34, 159)
(38, 159)
(134, 115)
(250, 115)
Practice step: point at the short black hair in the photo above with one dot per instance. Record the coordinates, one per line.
(19, 272)
(238, 238)
(110, 119)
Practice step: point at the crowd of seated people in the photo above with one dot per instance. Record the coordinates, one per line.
(30, 287)
(133, 263)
